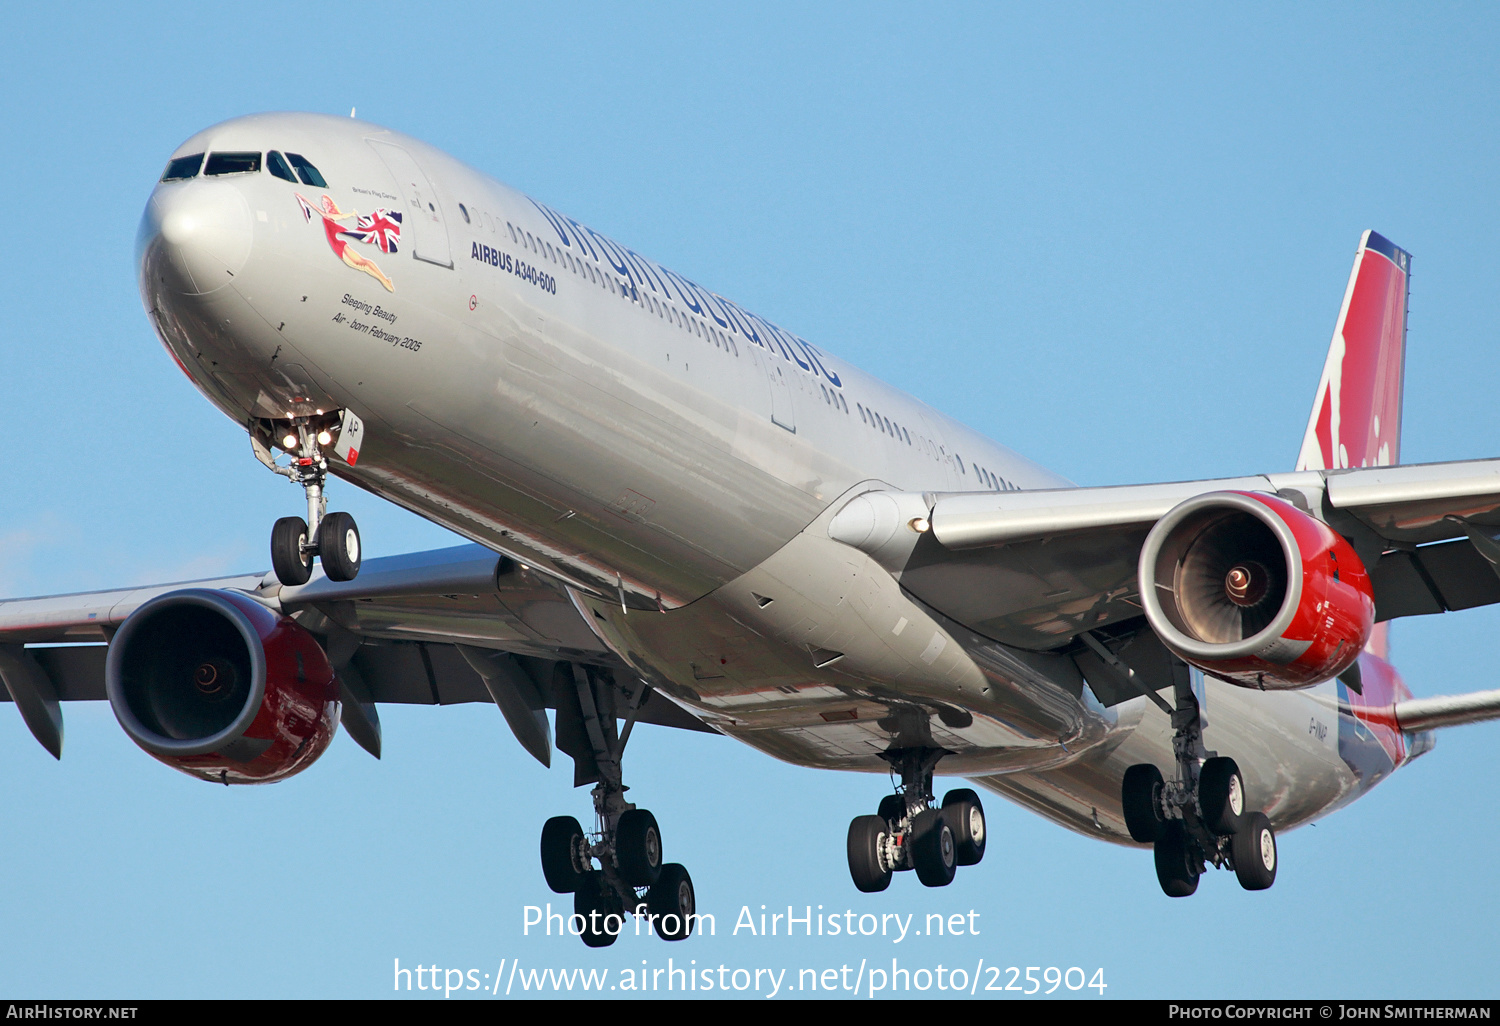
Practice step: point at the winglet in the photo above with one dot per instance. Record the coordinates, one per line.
(1356, 416)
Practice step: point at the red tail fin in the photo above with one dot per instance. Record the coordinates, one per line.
(1356, 417)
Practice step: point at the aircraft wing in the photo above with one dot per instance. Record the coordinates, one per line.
(1037, 568)
(453, 625)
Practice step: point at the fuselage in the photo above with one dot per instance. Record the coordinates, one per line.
(669, 456)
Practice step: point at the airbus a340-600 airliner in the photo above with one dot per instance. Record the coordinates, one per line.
(682, 514)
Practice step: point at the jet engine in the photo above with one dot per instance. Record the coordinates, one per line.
(222, 688)
(1247, 587)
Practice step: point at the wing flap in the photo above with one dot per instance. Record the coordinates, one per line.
(1410, 505)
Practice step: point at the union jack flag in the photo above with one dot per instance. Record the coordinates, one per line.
(382, 228)
(308, 210)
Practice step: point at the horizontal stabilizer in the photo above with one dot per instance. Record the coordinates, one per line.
(1419, 714)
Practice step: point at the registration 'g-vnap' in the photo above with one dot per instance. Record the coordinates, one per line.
(682, 514)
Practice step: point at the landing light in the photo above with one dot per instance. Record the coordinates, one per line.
(920, 524)
(324, 438)
(289, 442)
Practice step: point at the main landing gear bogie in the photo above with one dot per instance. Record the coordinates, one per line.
(616, 871)
(332, 537)
(1200, 817)
(910, 832)
(631, 880)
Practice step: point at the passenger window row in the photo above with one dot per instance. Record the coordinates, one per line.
(920, 441)
(291, 168)
(608, 282)
(585, 270)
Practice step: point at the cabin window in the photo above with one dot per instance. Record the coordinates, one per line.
(306, 171)
(465, 212)
(182, 168)
(279, 168)
(232, 164)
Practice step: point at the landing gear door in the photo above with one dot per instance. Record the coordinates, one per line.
(424, 218)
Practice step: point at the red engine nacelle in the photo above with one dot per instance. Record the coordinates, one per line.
(1247, 587)
(222, 688)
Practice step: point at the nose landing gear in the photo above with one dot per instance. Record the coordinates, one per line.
(332, 537)
(1201, 816)
(908, 832)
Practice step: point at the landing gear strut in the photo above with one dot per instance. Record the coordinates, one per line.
(1200, 816)
(332, 537)
(626, 842)
(908, 832)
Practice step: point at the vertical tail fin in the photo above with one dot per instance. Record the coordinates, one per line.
(1356, 417)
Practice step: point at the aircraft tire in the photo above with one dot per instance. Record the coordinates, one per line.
(291, 565)
(597, 904)
(562, 841)
(965, 814)
(638, 848)
(1254, 849)
(1176, 869)
(338, 546)
(892, 809)
(867, 836)
(672, 902)
(1139, 793)
(933, 848)
(1221, 795)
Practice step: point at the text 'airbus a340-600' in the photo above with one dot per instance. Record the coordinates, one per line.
(682, 514)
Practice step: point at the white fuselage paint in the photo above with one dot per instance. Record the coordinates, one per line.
(563, 400)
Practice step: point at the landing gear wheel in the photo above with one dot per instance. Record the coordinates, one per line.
(1254, 848)
(338, 546)
(892, 809)
(289, 559)
(603, 915)
(1221, 795)
(1140, 800)
(1177, 868)
(638, 848)
(867, 865)
(965, 814)
(565, 861)
(672, 902)
(933, 849)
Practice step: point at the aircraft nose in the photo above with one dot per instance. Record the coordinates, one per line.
(196, 235)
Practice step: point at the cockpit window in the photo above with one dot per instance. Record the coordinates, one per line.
(182, 167)
(232, 164)
(277, 165)
(306, 171)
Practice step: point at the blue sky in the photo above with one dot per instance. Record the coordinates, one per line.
(1113, 237)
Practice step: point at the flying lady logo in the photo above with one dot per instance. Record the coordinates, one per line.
(381, 229)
